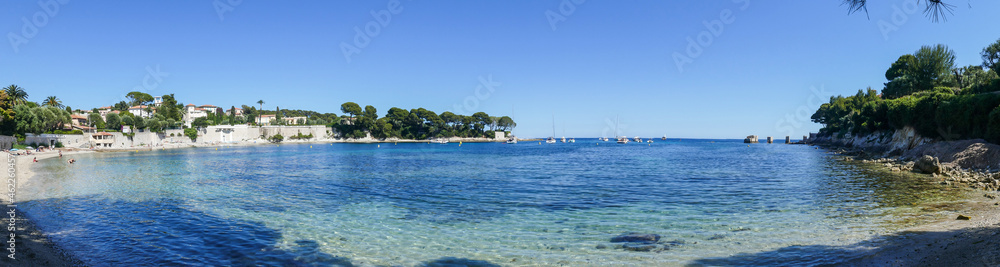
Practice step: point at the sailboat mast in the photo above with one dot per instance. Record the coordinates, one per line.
(553, 126)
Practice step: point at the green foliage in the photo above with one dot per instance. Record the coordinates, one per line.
(113, 122)
(59, 145)
(991, 56)
(351, 108)
(191, 133)
(96, 120)
(276, 138)
(300, 136)
(138, 98)
(993, 133)
(930, 66)
(78, 132)
(200, 122)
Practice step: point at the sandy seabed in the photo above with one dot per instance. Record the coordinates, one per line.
(945, 242)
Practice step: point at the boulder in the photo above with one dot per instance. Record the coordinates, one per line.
(963, 217)
(928, 164)
(636, 238)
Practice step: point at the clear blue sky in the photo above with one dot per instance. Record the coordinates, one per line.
(606, 59)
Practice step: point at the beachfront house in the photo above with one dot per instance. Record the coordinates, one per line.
(104, 112)
(192, 112)
(239, 111)
(264, 119)
(102, 139)
(294, 120)
(140, 111)
(157, 101)
(78, 119)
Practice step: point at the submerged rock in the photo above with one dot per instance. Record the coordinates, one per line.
(963, 217)
(636, 238)
(640, 247)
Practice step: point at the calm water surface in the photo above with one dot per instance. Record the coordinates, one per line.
(485, 204)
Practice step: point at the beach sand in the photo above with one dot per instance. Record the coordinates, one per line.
(32, 247)
(949, 241)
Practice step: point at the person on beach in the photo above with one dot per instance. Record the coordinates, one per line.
(60, 153)
(34, 159)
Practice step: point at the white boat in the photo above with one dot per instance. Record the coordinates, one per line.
(620, 139)
(572, 140)
(440, 141)
(664, 138)
(604, 139)
(512, 140)
(551, 140)
(563, 139)
(637, 139)
(649, 141)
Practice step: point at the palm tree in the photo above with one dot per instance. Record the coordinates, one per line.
(16, 94)
(261, 102)
(53, 101)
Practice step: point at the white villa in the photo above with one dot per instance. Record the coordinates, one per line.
(157, 101)
(264, 119)
(192, 112)
(239, 111)
(140, 111)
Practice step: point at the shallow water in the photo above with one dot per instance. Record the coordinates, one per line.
(413, 204)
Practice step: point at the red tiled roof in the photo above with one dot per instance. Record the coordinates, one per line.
(102, 133)
(108, 107)
(270, 115)
(189, 105)
(138, 107)
(77, 116)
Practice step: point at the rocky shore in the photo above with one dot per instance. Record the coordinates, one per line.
(969, 163)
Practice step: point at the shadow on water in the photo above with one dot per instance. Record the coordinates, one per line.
(163, 232)
(978, 246)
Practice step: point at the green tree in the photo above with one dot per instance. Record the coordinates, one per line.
(139, 123)
(96, 120)
(506, 123)
(16, 95)
(113, 121)
(991, 56)
(200, 122)
(261, 103)
(53, 101)
(126, 120)
(191, 133)
(351, 108)
(138, 98)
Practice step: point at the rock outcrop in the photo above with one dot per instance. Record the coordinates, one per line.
(928, 164)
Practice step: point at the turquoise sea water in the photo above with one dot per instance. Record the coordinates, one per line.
(715, 202)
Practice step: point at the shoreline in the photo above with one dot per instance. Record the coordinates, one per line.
(33, 247)
(970, 235)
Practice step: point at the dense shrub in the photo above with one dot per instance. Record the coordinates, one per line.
(993, 133)
(191, 133)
